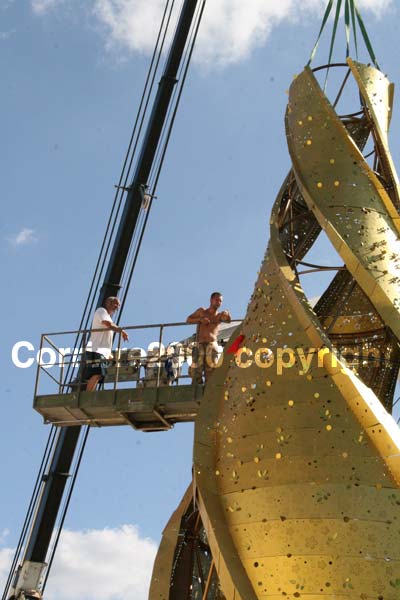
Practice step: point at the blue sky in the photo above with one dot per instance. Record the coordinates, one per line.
(72, 76)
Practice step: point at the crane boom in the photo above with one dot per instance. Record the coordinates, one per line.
(27, 580)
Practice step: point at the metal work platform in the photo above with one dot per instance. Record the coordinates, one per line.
(147, 409)
(148, 387)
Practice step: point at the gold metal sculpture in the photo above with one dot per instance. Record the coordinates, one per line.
(296, 457)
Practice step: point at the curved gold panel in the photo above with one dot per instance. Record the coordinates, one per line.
(345, 195)
(377, 93)
(163, 564)
(296, 462)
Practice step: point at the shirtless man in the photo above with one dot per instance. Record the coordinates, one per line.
(207, 321)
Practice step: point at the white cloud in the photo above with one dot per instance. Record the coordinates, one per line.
(105, 564)
(5, 4)
(230, 31)
(6, 556)
(5, 35)
(42, 6)
(24, 237)
(3, 536)
(130, 23)
(378, 7)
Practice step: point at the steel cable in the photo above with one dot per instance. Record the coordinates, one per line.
(93, 290)
(161, 151)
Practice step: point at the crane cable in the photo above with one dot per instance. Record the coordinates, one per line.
(141, 228)
(88, 308)
(125, 175)
(131, 150)
(65, 506)
(161, 152)
(43, 466)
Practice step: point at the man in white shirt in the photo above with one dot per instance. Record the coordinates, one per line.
(101, 343)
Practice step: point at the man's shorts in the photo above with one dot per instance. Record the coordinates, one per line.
(205, 358)
(94, 364)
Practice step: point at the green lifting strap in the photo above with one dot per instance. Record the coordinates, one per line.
(347, 27)
(324, 20)
(365, 36)
(352, 17)
(334, 30)
(353, 22)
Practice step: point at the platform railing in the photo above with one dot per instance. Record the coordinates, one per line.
(156, 355)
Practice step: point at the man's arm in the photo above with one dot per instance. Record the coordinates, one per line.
(225, 316)
(198, 318)
(113, 327)
(222, 317)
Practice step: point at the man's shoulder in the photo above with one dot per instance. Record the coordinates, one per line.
(199, 310)
(101, 314)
